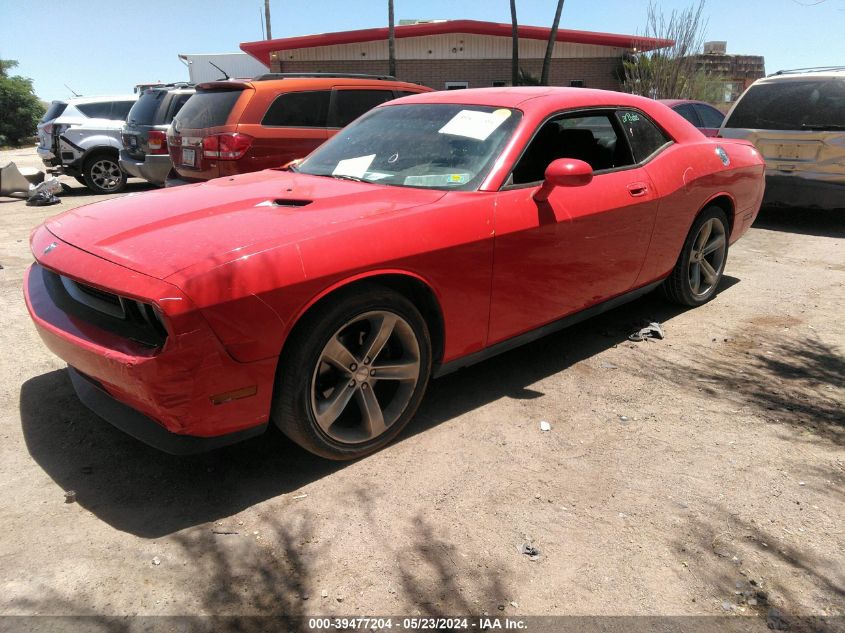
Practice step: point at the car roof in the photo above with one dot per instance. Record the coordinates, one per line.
(300, 83)
(529, 97)
(539, 101)
(675, 102)
(100, 99)
(802, 74)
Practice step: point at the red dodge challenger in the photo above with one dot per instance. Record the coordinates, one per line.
(433, 232)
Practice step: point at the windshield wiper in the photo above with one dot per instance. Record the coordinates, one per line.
(346, 177)
(822, 126)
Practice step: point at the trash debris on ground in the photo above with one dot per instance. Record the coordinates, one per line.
(156, 561)
(651, 331)
(545, 426)
(605, 365)
(44, 194)
(302, 496)
(530, 551)
(223, 531)
(70, 496)
(776, 621)
(14, 181)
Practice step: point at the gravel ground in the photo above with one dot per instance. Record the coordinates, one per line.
(698, 475)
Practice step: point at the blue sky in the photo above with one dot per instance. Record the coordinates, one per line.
(107, 47)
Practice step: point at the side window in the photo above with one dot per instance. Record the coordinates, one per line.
(644, 137)
(350, 104)
(711, 117)
(120, 110)
(176, 104)
(96, 110)
(299, 109)
(591, 138)
(688, 112)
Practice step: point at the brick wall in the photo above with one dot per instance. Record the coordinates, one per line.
(595, 72)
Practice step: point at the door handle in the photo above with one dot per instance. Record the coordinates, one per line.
(638, 189)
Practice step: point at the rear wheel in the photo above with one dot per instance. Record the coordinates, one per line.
(353, 374)
(102, 173)
(699, 269)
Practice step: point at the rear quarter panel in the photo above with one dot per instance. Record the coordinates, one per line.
(688, 176)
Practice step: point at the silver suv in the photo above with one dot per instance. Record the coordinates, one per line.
(80, 137)
(796, 119)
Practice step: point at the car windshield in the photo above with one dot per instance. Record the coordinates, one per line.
(54, 111)
(207, 108)
(792, 105)
(143, 112)
(436, 146)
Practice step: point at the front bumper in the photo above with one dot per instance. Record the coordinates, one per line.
(179, 387)
(145, 429)
(153, 168)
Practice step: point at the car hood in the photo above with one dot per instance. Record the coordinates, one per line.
(161, 232)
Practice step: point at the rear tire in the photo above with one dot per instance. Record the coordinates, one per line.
(699, 269)
(102, 173)
(353, 373)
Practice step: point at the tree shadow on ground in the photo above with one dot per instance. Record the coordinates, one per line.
(148, 493)
(242, 579)
(752, 570)
(788, 379)
(823, 223)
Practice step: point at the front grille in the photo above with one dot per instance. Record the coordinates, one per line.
(125, 317)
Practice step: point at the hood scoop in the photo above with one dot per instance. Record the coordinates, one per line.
(284, 202)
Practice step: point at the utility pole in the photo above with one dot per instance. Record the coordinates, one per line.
(391, 41)
(267, 18)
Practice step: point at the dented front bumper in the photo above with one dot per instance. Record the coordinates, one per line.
(188, 386)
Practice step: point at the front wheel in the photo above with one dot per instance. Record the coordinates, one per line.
(699, 268)
(102, 174)
(353, 374)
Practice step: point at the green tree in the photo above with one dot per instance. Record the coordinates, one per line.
(673, 71)
(20, 109)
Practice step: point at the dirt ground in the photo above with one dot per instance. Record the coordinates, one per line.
(699, 475)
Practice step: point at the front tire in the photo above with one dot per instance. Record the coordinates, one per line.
(102, 173)
(353, 374)
(699, 269)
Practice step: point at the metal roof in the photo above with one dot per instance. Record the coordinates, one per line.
(261, 50)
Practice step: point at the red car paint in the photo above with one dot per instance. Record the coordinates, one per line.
(231, 273)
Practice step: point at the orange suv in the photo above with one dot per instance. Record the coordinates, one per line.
(237, 126)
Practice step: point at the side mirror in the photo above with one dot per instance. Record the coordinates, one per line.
(564, 172)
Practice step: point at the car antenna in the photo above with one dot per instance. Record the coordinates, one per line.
(72, 90)
(225, 74)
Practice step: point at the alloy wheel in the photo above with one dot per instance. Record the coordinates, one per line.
(365, 377)
(106, 174)
(707, 257)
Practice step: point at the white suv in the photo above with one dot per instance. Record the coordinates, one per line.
(796, 119)
(81, 138)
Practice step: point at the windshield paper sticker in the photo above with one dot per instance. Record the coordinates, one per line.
(354, 167)
(475, 124)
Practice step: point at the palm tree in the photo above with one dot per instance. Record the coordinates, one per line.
(547, 61)
(515, 41)
(391, 41)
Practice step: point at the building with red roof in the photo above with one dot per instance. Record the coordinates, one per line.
(451, 54)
